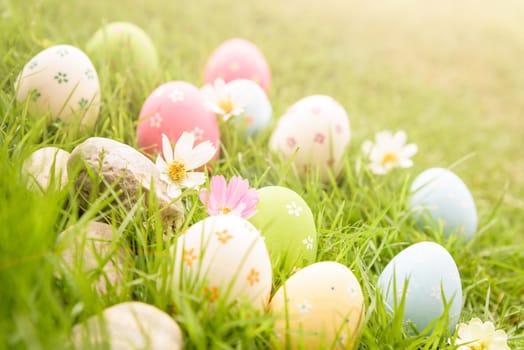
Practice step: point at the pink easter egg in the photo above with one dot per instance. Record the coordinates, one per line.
(238, 59)
(171, 109)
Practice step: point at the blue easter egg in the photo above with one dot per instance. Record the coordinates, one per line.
(257, 111)
(427, 277)
(442, 200)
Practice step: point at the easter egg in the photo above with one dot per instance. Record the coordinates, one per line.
(129, 325)
(286, 222)
(257, 111)
(319, 307)
(442, 200)
(61, 80)
(315, 131)
(429, 272)
(223, 258)
(238, 59)
(46, 165)
(126, 47)
(93, 251)
(171, 109)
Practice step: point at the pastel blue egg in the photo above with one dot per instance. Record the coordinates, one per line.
(442, 200)
(430, 272)
(258, 110)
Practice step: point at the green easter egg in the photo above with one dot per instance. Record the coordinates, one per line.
(286, 222)
(125, 47)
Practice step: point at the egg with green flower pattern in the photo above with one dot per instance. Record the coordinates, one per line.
(61, 81)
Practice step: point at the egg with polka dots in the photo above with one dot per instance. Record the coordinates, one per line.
(441, 201)
(223, 259)
(315, 134)
(426, 275)
(172, 109)
(61, 82)
(238, 59)
(286, 222)
(320, 306)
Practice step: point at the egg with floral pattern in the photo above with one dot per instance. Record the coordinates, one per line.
(257, 109)
(426, 275)
(223, 259)
(315, 133)
(319, 307)
(286, 222)
(442, 201)
(171, 109)
(126, 47)
(61, 81)
(238, 59)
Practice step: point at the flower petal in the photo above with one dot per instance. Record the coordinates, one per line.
(219, 189)
(399, 139)
(173, 191)
(199, 155)
(167, 151)
(183, 147)
(409, 151)
(194, 179)
(377, 169)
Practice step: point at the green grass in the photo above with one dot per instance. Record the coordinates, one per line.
(453, 81)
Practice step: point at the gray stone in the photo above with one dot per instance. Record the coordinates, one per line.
(125, 169)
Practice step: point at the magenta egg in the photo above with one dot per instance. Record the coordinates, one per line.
(238, 59)
(171, 109)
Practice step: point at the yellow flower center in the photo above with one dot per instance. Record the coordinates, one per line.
(226, 105)
(389, 158)
(176, 171)
(479, 346)
(226, 210)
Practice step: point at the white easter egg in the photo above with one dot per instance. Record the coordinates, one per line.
(45, 165)
(129, 325)
(320, 306)
(63, 81)
(257, 109)
(430, 272)
(318, 127)
(442, 200)
(91, 249)
(226, 258)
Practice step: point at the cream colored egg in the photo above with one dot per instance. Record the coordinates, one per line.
(316, 128)
(129, 326)
(224, 259)
(45, 165)
(323, 305)
(63, 81)
(92, 250)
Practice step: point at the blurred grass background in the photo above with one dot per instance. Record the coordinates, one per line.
(449, 73)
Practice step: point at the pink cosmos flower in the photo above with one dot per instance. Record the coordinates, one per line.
(235, 198)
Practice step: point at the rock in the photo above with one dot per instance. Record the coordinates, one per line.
(129, 325)
(43, 165)
(94, 246)
(130, 173)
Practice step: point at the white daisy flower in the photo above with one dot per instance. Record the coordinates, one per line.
(478, 335)
(175, 165)
(389, 151)
(221, 101)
